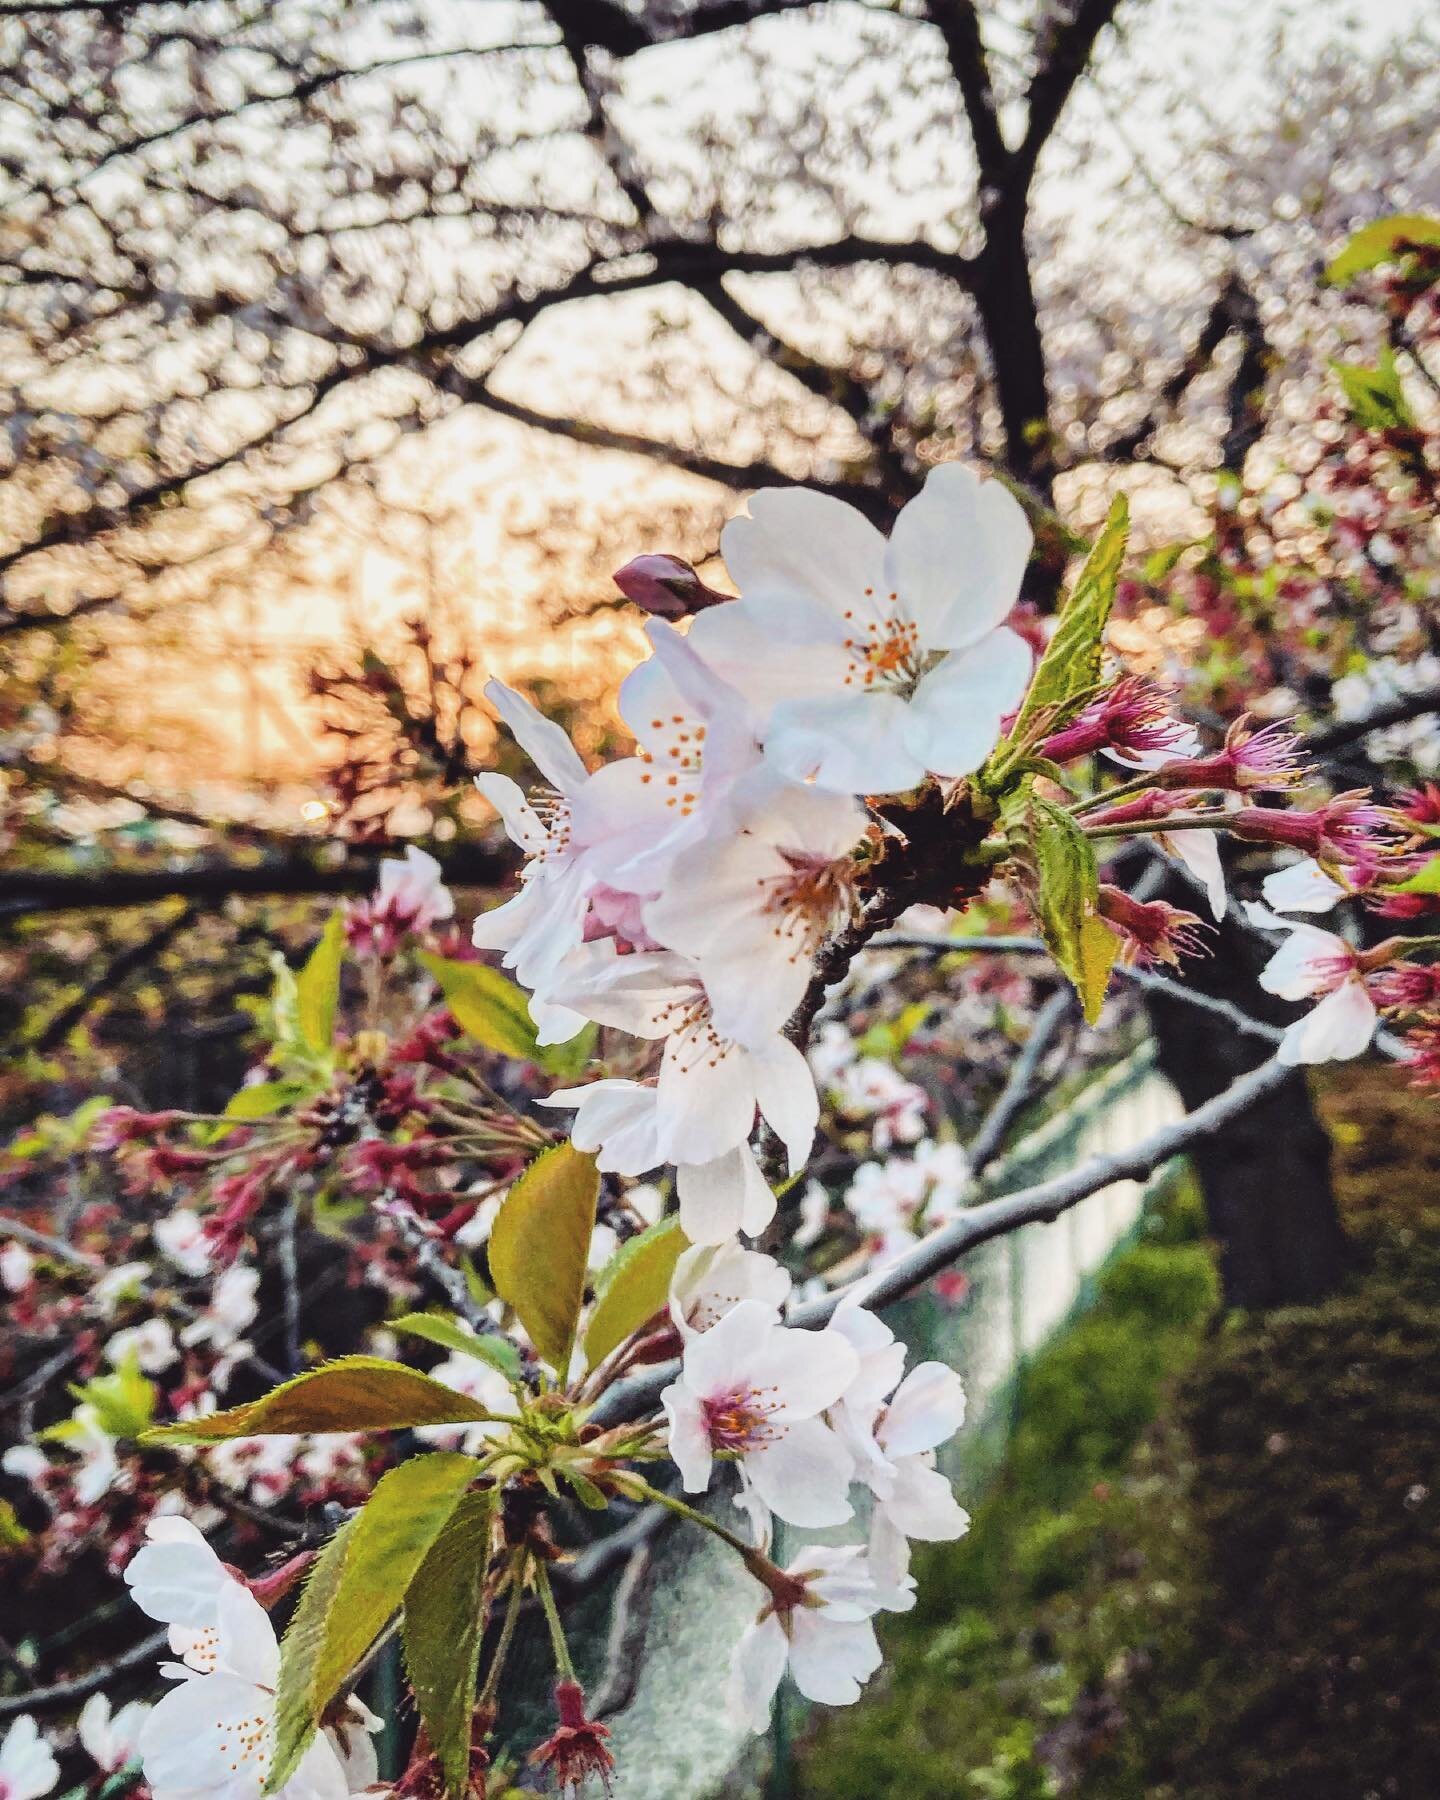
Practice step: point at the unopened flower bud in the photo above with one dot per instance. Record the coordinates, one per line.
(666, 586)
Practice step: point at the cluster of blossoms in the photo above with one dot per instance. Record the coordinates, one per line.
(859, 739)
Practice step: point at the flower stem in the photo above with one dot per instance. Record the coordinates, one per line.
(507, 1629)
(552, 1619)
(1199, 821)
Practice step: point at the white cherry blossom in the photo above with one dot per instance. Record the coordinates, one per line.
(710, 1084)
(825, 1639)
(618, 1123)
(413, 889)
(867, 663)
(754, 1390)
(17, 1268)
(149, 1345)
(110, 1739)
(710, 1279)
(753, 906)
(27, 1763)
(1317, 965)
(214, 1732)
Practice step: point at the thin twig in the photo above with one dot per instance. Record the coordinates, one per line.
(66, 1693)
(1016, 1093)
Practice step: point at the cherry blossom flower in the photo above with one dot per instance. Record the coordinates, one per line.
(1151, 931)
(27, 1763)
(753, 906)
(1317, 965)
(869, 665)
(181, 1237)
(752, 1389)
(1263, 761)
(410, 895)
(618, 1123)
(710, 1279)
(150, 1346)
(710, 1083)
(17, 1268)
(213, 1733)
(176, 1578)
(912, 1498)
(1131, 723)
(820, 1631)
(110, 1739)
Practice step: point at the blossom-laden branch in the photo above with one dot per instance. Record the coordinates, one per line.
(861, 732)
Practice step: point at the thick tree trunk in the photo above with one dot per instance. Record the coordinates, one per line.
(1266, 1178)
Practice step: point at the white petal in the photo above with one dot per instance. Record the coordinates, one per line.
(805, 542)
(830, 1661)
(953, 721)
(1339, 1028)
(616, 1120)
(851, 742)
(785, 1093)
(176, 1578)
(1199, 852)
(206, 1732)
(803, 1371)
(803, 1475)
(921, 1504)
(928, 1408)
(248, 1645)
(706, 1100)
(689, 1440)
(540, 738)
(521, 821)
(720, 1198)
(957, 555)
(1303, 887)
(756, 1665)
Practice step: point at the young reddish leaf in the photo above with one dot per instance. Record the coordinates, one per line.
(633, 1287)
(355, 1393)
(539, 1245)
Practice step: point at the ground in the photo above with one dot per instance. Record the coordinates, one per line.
(1211, 1564)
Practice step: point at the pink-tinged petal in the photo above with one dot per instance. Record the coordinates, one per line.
(1336, 1030)
(712, 887)
(831, 1661)
(928, 1408)
(799, 541)
(710, 1279)
(720, 1198)
(690, 1449)
(953, 722)
(957, 556)
(756, 1666)
(540, 738)
(853, 743)
(803, 1475)
(1305, 963)
(785, 1093)
(921, 1503)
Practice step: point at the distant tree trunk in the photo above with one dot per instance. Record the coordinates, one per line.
(1266, 1177)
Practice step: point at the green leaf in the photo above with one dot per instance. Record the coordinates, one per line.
(486, 1004)
(1069, 671)
(317, 986)
(1377, 243)
(447, 1331)
(888, 1037)
(354, 1393)
(539, 1244)
(123, 1402)
(1078, 938)
(444, 1622)
(1425, 880)
(13, 1535)
(1374, 396)
(634, 1285)
(357, 1583)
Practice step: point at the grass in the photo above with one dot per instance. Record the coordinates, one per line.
(1210, 1565)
